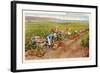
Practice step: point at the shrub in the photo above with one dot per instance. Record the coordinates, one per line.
(85, 42)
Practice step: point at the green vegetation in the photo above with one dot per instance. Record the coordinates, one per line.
(85, 41)
(42, 29)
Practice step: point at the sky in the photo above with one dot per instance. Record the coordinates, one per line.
(59, 15)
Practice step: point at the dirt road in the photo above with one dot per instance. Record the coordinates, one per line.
(70, 48)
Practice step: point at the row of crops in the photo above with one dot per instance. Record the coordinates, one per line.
(42, 29)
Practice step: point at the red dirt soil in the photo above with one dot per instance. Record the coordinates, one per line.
(64, 49)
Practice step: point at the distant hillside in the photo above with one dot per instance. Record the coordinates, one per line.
(38, 19)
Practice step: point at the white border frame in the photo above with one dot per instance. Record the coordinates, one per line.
(35, 64)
